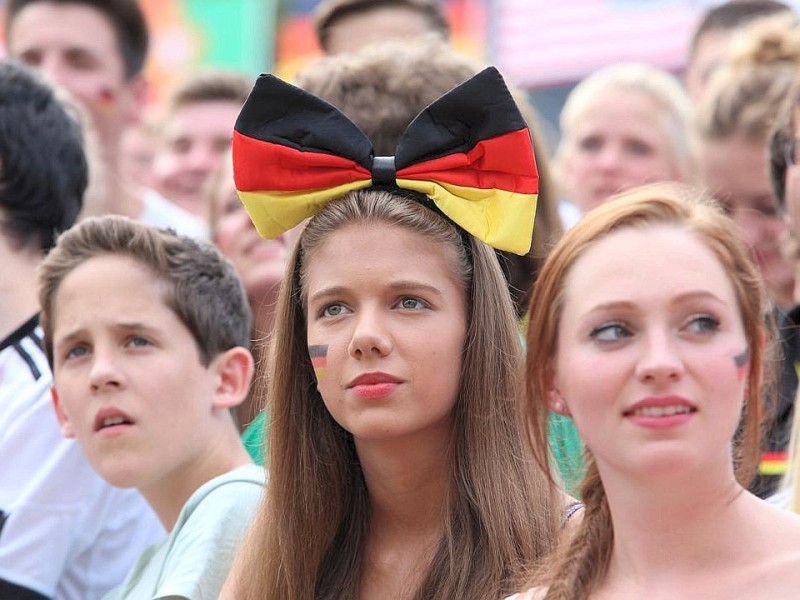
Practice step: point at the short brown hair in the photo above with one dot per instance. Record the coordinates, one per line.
(201, 286)
(209, 85)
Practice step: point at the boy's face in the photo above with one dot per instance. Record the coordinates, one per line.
(129, 384)
(195, 139)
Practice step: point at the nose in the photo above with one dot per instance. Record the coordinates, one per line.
(52, 68)
(660, 362)
(104, 373)
(203, 159)
(609, 158)
(370, 338)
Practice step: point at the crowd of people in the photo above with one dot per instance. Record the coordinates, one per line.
(362, 334)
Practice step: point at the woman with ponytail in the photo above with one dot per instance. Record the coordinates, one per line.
(648, 328)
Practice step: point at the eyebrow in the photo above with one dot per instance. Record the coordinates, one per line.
(125, 326)
(399, 286)
(680, 299)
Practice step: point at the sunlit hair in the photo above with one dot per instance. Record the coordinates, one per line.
(310, 534)
(583, 563)
(745, 93)
(659, 86)
(199, 285)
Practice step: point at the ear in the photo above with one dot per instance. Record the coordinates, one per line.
(66, 427)
(234, 374)
(555, 400)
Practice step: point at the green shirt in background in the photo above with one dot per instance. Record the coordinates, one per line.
(564, 441)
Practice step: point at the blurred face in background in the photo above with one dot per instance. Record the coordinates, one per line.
(735, 172)
(75, 46)
(617, 142)
(260, 263)
(194, 140)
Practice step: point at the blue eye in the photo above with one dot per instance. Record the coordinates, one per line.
(76, 352)
(610, 332)
(138, 341)
(333, 310)
(703, 324)
(411, 303)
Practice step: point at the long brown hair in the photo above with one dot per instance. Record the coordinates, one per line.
(582, 563)
(309, 537)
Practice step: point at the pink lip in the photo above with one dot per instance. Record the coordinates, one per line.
(660, 421)
(374, 385)
(110, 412)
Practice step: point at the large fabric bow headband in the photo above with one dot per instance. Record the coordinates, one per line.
(469, 151)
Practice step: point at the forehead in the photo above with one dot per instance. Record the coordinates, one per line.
(650, 262)
(352, 31)
(377, 252)
(46, 25)
(196, 119)
(736, 168)
(110, 279)
(618, 107)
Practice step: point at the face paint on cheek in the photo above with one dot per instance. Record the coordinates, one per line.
(319, 359)
(105, 98)
(741, 361)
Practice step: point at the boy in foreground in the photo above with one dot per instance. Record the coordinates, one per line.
(147, 333)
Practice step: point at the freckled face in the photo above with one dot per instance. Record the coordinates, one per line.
(386, 303)
(648, 345)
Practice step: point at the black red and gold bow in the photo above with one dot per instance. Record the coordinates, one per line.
(469, 151)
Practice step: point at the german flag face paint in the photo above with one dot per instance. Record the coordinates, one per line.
(742, 361)
(469, 152)
(319, 359)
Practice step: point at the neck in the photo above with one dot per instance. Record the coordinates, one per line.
(106, 193)
(692, 518)
(408, 484)
(222, 452)
(18, 297)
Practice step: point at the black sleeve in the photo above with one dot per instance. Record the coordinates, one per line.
(12, 591)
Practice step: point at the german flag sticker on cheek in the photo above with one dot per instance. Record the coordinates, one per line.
(470, 152)
(319, 359)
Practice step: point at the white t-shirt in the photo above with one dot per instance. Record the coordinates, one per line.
(194, 560)
(65, 532)
(161, 213)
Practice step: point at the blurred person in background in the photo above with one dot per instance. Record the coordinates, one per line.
(734, 121)
(347, 25)
(623, 126)
(712, 36)
(96, 51)
(260, 265)
(194, 134)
